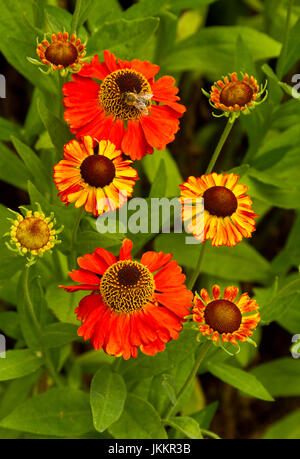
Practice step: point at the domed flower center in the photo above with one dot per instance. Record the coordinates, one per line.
(125, 94)
(33, 233)
(223, 316)
(98, 170)
(127, 286)
(220, 201)
(236, 92)
(61, 53)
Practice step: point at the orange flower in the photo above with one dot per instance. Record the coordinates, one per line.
(228, 214)
(132, 304)
(62, 53)
(127, 107)
(97, 178)
(226, 319)
(234, 96)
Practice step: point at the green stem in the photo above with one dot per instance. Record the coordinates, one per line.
(210, 167)
(220, 145)
(116, 364)
(72, 258)
(281, 60)
(75, 18)
(190, 379)
(61, 96)
(196, 272)
(48, 362)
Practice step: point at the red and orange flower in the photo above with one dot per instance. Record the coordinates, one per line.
(226, 319)
(228, 214)
(132, 304)
(63, 53)
(94, 175)
(120, 101)
(234, 97)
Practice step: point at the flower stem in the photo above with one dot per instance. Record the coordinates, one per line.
(39, 335)
(60, 95)
(72, 258)
(75, 18)
(220, 145)
(210, 167)
(190, 378)
(196, 272)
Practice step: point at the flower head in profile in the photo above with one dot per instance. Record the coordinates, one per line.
(228, 214)
(133, 304)
(63, 53)
(226, 319)
(120, 101)
(94, 175)
(234, 97)
(33, 234)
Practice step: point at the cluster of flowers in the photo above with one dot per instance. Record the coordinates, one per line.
(117, 108)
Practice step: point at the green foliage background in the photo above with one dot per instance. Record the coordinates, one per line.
(196, 41)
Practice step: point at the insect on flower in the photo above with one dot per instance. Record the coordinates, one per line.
(139, 101)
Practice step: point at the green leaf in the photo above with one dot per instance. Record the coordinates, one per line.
(7, 129)
(59, 334)
(10, 324)
(139, 420)
(287, 428)
(173, 382)
(186, 425)
(278, 304)
(210, 50)
(57, 412)
(145, 8)
(18, 40)
(205, 416)
(123, 37)
(176, 351)
(12, 170)
(19, 363)
(289, 55)
(280, 377)
(109, 11)
(243, 58)
(239, 379)
(58, 129)
(151, 165)
(169, 386)
(17, 392)
(62, 304)
(158, 188)
(242, 263)
(108, 395)
(88, 241)
(35, 167)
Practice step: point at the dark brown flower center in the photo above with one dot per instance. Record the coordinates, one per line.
(236, 92)
(223, 316)
(61, 53)
(220, 201)
(129, 275)
(33, 233)
(125, 93)
(127, 286)
(98, 170)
